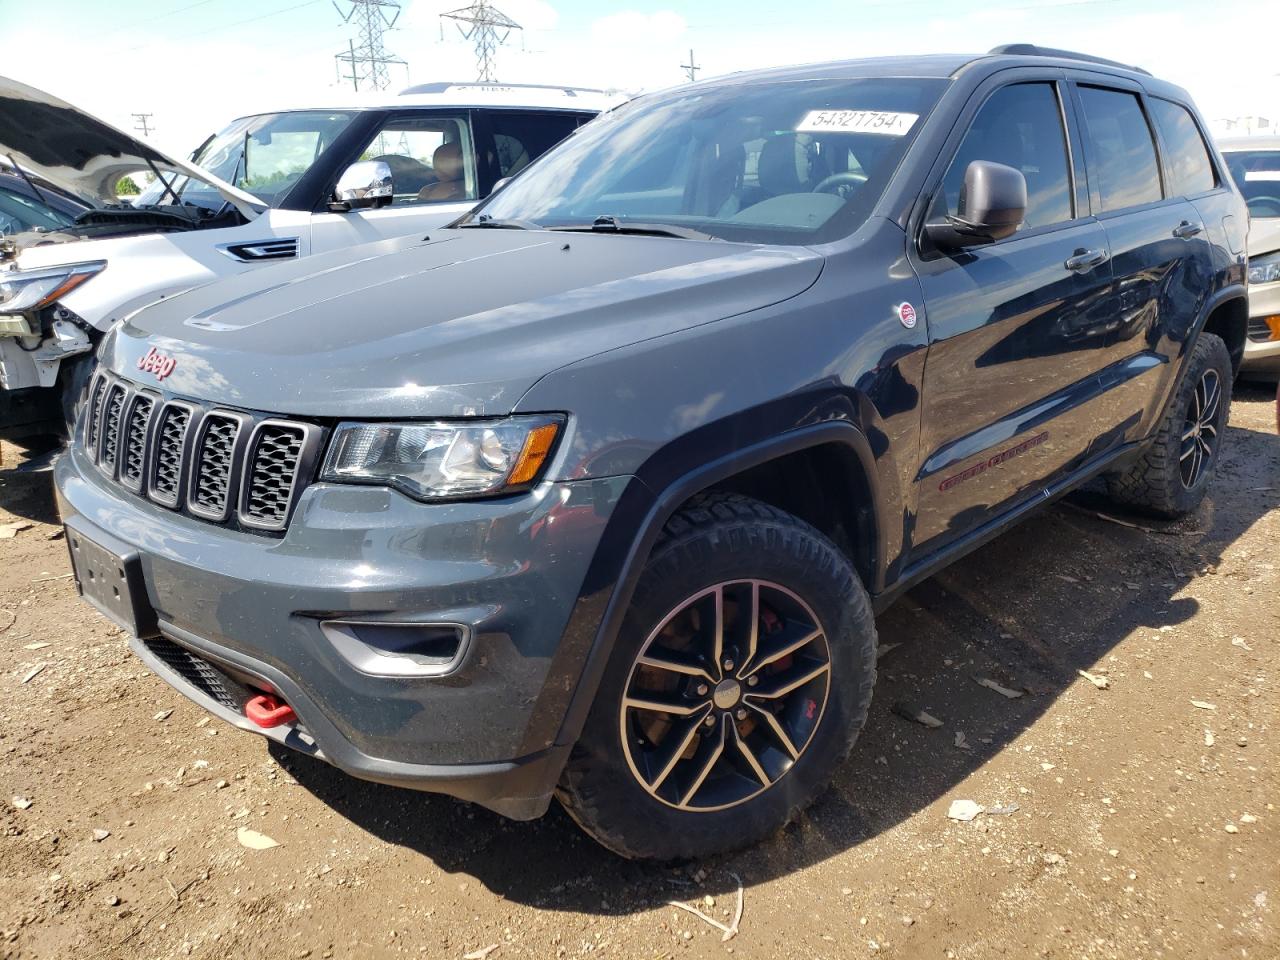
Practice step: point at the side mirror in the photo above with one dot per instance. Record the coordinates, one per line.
(366, 183)
(993, 204)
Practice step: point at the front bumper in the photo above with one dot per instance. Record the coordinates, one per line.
(512, 570)
(1262, 356)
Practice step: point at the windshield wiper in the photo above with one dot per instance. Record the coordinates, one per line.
(611, 224)
(485, 221)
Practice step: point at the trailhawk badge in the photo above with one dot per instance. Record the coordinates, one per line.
(153, 361)
(907, 314)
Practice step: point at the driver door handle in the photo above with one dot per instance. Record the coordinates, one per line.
(1186, 230)
(1082, 261)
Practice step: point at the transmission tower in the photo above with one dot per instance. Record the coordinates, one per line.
(142, 125)
(488, 28)
(368, 60)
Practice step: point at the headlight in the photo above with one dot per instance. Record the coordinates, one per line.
(446, 459)
(1265, 269)
(25, 290)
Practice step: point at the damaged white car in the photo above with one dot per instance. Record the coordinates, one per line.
(269, 187)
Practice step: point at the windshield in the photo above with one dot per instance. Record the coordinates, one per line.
(19, 213)
(1257, 174)
(779, 162)
(263, 155)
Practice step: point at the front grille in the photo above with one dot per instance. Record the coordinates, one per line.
(1258, 329)
(200, 673)
(225, 466)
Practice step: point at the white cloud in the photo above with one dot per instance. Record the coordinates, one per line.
(530, 14)
(631, 27)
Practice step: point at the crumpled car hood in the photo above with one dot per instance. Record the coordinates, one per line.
(60, 146)
(458, 324)
(1264, 235)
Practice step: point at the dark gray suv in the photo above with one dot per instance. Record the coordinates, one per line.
(595, 493)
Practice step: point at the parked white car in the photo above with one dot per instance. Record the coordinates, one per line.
(269, 187)
(1254, 163)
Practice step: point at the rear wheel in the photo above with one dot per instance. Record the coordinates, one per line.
(741, 678)
(1171, 476)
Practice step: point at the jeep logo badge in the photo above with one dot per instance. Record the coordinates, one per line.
(155, 362)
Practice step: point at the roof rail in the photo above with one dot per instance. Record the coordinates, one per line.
(1031, 50)
(442, 87)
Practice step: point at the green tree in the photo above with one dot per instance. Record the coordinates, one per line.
(125, 187)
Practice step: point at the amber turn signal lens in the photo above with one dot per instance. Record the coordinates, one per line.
(534, 454)
(1273, 324)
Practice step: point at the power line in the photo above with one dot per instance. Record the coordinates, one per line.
(488, 28)
(369, 60)
(226, 26)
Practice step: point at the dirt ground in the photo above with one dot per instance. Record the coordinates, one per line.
(1146, 821)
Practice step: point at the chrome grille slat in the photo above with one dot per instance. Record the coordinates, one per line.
(93, 422)
(165, 484)
(112, 410)
(275, 453)
(215, 451)
(137, 427)
(222, 466)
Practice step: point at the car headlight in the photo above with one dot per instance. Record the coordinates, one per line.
(1264, 269)
(24, 290)
(445, 459)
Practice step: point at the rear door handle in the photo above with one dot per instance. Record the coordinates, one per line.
(1186, 230)
(1082, 261)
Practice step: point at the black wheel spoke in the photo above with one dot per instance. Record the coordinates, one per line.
(1200, 430)
(680, 739)
(790, 682)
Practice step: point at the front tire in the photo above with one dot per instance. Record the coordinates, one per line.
(1171, 476)
(740, 680)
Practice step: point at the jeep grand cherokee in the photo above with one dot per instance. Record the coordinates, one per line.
(595, 493)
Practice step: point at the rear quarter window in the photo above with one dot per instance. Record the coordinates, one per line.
(1190, 169)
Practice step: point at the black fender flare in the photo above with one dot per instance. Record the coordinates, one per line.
(1233, 291)
(639, 539)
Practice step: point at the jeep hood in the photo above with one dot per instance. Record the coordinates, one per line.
(64, 149)
(460, 324)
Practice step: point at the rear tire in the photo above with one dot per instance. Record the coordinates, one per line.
(742, 755)
(1171, 476)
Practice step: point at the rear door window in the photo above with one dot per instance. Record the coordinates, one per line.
(1123, 170)
(1188, 164)
(521, 136)
(1019, 126)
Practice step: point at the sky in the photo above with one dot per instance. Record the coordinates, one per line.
(197, 64)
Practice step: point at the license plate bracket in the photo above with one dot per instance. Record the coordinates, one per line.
(109, 575)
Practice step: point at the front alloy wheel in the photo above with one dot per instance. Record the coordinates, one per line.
(725, 695)
(738, 683)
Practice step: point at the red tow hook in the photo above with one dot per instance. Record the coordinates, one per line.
(267, 710)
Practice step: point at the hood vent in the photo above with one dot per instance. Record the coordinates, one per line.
(262, 251)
